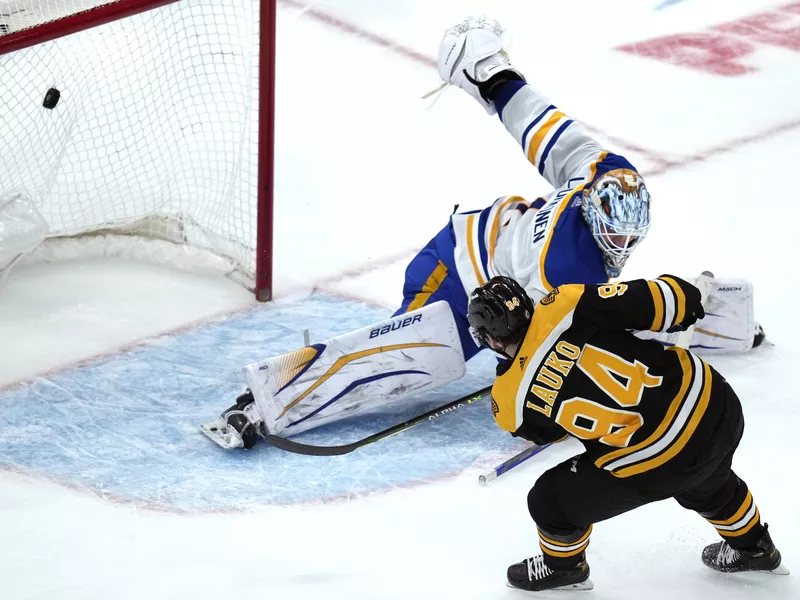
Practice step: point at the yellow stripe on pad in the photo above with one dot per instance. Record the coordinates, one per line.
(348, 358)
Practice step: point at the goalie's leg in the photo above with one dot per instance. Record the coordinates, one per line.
(424, 345)
(431, 276)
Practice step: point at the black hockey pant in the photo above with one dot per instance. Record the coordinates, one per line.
(569, 498)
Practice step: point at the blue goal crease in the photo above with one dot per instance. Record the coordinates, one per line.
(128, 425)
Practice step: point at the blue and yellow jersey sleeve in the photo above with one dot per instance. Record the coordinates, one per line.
(557, 146)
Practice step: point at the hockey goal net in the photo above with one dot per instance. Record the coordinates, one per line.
(141, 128)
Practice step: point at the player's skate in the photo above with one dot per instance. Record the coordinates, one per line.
(237, 427)
(533, 575)
(764, 557)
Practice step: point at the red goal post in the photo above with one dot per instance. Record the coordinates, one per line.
(145, 127)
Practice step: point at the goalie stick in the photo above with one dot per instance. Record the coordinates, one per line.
(313, 450)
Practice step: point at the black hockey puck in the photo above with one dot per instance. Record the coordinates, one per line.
(51, 98)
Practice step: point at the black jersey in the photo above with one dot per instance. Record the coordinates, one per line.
(580, 372)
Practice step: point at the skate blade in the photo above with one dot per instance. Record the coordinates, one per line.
(227, 441)
(584, 586)
(780, 570)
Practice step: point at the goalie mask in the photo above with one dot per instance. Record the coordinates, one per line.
(617, 211)
(500, 309)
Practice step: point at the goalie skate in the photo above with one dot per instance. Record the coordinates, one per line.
(219, 433)
(237, 427)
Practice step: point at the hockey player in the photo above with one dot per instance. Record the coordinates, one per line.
(582, 232)
(656, 422)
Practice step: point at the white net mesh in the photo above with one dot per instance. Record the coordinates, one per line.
(155, 132)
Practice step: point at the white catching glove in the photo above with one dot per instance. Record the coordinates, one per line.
(471, 53)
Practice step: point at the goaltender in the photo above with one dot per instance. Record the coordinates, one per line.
(656, 422)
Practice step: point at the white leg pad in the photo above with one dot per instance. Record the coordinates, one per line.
(352, 373)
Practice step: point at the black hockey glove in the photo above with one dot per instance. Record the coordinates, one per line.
(693, 307)
(546, 433)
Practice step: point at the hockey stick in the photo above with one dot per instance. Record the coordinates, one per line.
(512, 462)
(312, 450)
(703, 283)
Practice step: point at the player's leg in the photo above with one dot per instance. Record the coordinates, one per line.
(565, 503)
(726, 502)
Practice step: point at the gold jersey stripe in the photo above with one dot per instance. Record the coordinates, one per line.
(685, 436)
(658, 303)
(680, 299)
(538, 138)
(663, 427)
(496, 226)
(429, 287)
(471, 249)
(748, 500)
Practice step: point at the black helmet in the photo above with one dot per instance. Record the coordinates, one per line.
(500, 308)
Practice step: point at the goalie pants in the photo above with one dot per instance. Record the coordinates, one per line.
(569, 498)
(432, 276)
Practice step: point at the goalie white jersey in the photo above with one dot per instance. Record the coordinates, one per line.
(544, 243)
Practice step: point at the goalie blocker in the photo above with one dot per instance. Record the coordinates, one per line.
(352, 373)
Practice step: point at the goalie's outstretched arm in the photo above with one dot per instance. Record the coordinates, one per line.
(473, 56)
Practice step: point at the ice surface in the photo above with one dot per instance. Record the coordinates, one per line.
(127, 426)
(365, 176)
